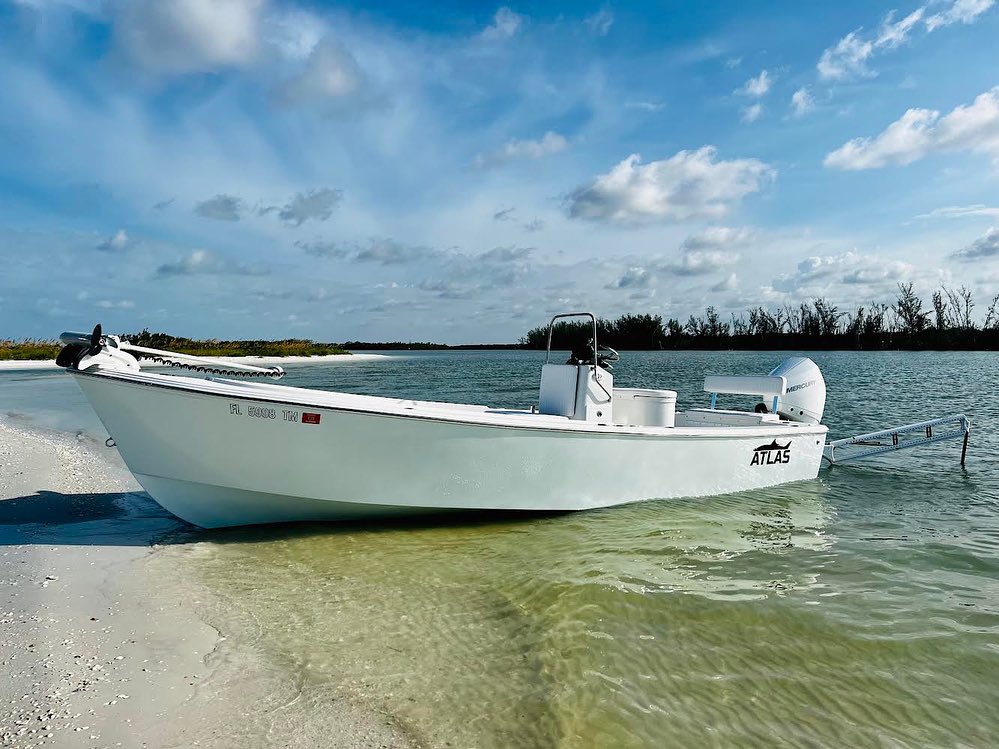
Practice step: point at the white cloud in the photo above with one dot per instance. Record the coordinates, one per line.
(891, 35)
(729, 283)
(322, 249)
(648, 106)
(515, 150)
(118, 241)
(330, 73)
(688, 185)
(315, 205)
(818, 275)
(986, 246)
(701, 262)
(962, 211)
(120, 304)
(710, 250)
(506, 254)
(700, 254)
(758, 86)
(696, 263)
(221, 208)
(718, 237)
(802, 102)
(920, 132)
(848, 59)
(962, 11)
(505, 25)
(635, 277)
(205, 262)
(752, 113)
(294, 33)
(600, 22)
(388, 252)
(189, 36)
(90, 7)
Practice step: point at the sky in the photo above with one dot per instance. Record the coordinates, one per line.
(459, 172)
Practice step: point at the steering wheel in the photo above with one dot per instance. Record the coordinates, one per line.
(606, 355)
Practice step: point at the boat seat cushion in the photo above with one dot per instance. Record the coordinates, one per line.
(734, 385)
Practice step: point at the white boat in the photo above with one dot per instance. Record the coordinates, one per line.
(221, 450)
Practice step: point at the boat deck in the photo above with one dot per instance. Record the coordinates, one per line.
(697, 422)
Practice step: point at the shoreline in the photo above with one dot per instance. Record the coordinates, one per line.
(106, 640)
(88, 658)
(15, 365)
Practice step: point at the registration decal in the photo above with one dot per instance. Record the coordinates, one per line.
(265, 412)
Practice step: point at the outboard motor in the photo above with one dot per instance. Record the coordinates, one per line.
(805, 398)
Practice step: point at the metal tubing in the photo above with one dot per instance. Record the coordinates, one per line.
(126, 346)
(551, 329)
(965, 424)
(924, 430)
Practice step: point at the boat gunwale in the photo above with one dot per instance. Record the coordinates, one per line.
(175, 383)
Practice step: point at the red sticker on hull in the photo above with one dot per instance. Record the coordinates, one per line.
(308, 418)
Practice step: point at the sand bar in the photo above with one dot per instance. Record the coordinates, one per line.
(97, 651)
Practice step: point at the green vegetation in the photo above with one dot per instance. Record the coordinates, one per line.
(213, 347)
(948, 325)
(28, 349)
(32, 349)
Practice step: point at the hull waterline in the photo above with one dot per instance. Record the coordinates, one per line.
(220, 455)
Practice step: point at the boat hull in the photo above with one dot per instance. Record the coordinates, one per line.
(219, 460)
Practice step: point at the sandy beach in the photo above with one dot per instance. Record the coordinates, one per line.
(102, 643)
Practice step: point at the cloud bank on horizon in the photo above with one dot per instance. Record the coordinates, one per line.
(345, 171)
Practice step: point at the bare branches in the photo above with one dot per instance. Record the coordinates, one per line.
(948, 324)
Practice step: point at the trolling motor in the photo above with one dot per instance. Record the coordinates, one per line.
(76, 346)
(97, 351)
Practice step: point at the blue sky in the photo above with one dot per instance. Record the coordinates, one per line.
(459, 173)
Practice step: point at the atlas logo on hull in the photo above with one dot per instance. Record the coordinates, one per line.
(768, 455)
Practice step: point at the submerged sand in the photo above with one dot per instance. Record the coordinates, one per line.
(100, 646)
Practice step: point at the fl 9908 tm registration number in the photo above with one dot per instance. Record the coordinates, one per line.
(266, 412)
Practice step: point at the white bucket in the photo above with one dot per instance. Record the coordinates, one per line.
(644, 407)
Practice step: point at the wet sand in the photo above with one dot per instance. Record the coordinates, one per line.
(101, 642)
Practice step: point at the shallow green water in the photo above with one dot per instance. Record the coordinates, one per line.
(861, 609)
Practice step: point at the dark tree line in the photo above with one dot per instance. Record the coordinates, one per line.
(949, 323)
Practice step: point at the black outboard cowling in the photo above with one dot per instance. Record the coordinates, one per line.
(79, 345)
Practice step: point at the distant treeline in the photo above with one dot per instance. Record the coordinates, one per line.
(213, 347)
(36, 349)
(425, 346)
(948, 324)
